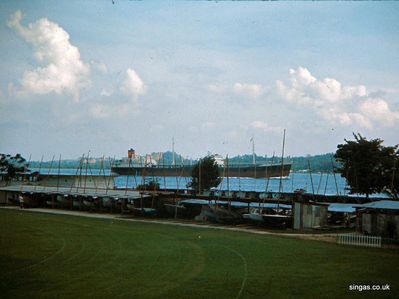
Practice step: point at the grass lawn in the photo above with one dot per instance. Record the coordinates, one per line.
(55, 256)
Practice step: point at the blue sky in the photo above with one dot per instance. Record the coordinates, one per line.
(90, 75)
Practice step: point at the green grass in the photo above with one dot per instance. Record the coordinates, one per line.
(54, 256)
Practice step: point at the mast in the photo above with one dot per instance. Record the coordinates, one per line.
(111, 162)
(76, 174)
(173, 152)
(311, 178)
(199, 176)
(51, 166)
(239, 177)
(267, 183)
(80, 172)
(92, 176)
(163, 166)
(320, 180)
(254, 160)
(325, 189)
(127, 177)
(280, 188)
(228, 182)
(103, 170)
(253, 151)
(87, 165)
(335, 179)
(48, 174)
(59, 170)
(40, 168)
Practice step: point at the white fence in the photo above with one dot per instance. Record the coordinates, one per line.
(359, 240)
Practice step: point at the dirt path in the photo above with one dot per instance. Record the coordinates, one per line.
(328, 237)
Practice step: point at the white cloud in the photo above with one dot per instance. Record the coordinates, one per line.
(252, 90)
(378, 110)
(120, 103)
(63, 70)
(133, 85)
(245, 89)
(308, 90)
(264, 126)
(335, 102)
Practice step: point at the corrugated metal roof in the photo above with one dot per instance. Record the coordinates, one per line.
(383, 204)
(351, 208)
(237, 204)
(75, 191)
(341, 208)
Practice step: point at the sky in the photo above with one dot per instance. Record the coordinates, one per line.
(106, 76)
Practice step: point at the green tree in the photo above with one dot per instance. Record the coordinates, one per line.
(205, 174)
(11, 165)
(368, 166)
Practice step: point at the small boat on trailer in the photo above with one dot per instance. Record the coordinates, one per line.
(141, 210)
(77, 202)
(270, 217)
(177, 210)
(107, 202)
(89, 202)
(219, 214)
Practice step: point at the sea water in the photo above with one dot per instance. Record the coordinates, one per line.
(317, 183)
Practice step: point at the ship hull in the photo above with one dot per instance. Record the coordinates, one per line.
(260, 171)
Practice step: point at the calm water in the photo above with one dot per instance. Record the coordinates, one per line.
(316, 183)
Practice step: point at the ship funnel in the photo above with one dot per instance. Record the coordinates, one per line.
(131, 153)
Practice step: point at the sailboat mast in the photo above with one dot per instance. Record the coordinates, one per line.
(40, 168)
(87, 164)
(280, 189)
(253, 151)
(228, 177)
(199, 176)
(59, 170)
(173, 152)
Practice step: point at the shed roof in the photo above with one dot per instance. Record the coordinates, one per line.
(351, 208)
(343, 207)
(75, 191)
(383, 205)
(237, 204)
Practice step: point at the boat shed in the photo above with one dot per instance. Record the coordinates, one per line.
(93, 186)
(379, 218)
(309, 215)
